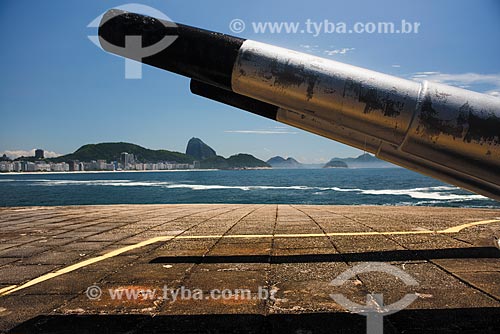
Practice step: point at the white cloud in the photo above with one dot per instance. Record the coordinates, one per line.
(426, 73)
(341, 51)
(31, 153)
(310, 48)
(493, 92)
(316, 49)
(262, 132)
(463, 80)
(396, 65)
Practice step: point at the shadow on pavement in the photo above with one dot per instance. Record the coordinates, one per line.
(466, 320)
(382, 256)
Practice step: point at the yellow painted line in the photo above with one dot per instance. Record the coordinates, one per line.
(458, 228)
(13, 288)
(46, 277)
(300, 235)
(382, 233)
(7, 288)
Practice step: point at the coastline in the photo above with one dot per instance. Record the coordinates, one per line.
(128, 171)
(107, 171)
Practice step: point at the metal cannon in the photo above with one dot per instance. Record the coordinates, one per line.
(444, 132)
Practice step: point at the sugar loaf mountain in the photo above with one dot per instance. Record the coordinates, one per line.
(209, 159)
(197, 153)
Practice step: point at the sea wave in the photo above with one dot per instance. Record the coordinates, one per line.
(115, 183)
(163, 184)
(441, 193)
(436, 193)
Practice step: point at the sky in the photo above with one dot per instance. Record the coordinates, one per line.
(58, 91)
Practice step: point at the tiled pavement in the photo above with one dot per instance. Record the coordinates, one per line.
(293, 251)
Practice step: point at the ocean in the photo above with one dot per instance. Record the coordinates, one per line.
(387, 186)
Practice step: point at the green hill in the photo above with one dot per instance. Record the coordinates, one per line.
(363, 161)
(280, 162)
(245, 161)
(336, 164)
(216, 162)
(112, 151)
(234, 161)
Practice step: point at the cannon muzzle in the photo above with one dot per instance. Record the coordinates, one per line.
(444, 132)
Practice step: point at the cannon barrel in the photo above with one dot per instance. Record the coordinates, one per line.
(444, 132)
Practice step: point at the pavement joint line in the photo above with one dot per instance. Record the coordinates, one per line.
(188, 272)
(13, 288)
